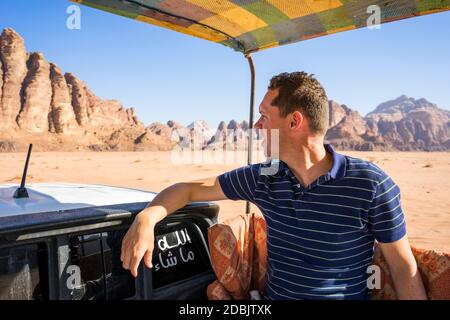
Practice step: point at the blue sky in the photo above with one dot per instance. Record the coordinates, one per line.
(166, 75)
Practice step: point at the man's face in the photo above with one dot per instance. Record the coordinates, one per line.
(271, 121)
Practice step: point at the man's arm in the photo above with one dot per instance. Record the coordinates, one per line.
(407, 280)
(139, 240)
(387, 224)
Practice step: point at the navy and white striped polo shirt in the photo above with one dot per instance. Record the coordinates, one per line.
(320, 239)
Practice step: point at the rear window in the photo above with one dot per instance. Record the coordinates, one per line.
(180, 253)
(96, 269)
(23, 272)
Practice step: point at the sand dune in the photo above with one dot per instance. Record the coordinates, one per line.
(424, 179)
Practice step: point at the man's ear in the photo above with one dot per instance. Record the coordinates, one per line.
(297, 119)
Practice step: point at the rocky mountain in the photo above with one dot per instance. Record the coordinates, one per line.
(348, 130)
(400, 124)
(411, 124)
(231, 135)
(55, 110)
(199, 133)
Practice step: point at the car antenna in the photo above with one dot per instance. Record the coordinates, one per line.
(21, 191)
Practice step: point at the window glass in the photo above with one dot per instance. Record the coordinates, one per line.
(179, 254)
(24, 272)
(97, 272)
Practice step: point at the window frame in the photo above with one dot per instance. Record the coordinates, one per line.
(48, 228)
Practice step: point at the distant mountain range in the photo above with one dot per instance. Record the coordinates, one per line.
(57, 111)
(401, 124)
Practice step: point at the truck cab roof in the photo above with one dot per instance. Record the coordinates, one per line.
(47, 197)
(52, 206)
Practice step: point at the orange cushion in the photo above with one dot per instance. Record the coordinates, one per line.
(231, 249)
(260, 253)
(434, 268)
(238, 254)
(216, 291)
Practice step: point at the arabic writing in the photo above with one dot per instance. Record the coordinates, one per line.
(164, 244)
(168, 257)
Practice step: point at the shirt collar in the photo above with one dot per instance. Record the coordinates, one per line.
(337, 170)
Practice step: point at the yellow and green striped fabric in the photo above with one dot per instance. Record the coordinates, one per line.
(252, 25)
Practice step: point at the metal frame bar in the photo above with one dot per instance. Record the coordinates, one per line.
(250, 120)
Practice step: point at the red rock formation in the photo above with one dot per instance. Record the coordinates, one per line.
(410, 124)
(231, 136)
(400, 124)
(36, 96)
(1, 87)
(62, 117)
(14, 64)
(345, 123)
(150, 141)
(335, 113)
(39, 103)
(79, 97)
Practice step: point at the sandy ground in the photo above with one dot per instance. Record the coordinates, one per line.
(424, 179)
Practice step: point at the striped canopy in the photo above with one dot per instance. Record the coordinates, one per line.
(252, 25)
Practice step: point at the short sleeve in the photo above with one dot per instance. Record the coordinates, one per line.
(240, 184)
(386, 218)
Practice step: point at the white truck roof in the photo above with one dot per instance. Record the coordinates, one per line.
(46, 197)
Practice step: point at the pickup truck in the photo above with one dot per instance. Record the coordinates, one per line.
(63, 242)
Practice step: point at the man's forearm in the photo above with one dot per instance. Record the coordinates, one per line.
(405, 272)
(139, 241)
(409, 286)
(166, 202)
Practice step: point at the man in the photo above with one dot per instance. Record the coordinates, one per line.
(323, 209)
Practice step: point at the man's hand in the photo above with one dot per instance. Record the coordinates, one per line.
(140, 238)
(404, 270)
(138, 243)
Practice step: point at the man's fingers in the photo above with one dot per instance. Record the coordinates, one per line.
(123, 248)
(148, 259)
(135, 260)
(125, 253)
(126, 260)
(135, 246)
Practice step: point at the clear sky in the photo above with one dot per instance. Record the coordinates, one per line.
(166, 75)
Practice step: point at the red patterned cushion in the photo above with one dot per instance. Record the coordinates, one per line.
(216, 291)
(260, 253)
(238, 253)
(434, 268)
(231, 249)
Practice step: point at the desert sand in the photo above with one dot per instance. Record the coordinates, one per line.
(424, 179)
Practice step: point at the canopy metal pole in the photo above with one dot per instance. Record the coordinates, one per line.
(250, 120)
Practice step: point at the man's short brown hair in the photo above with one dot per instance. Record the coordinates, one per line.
(299, 91)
